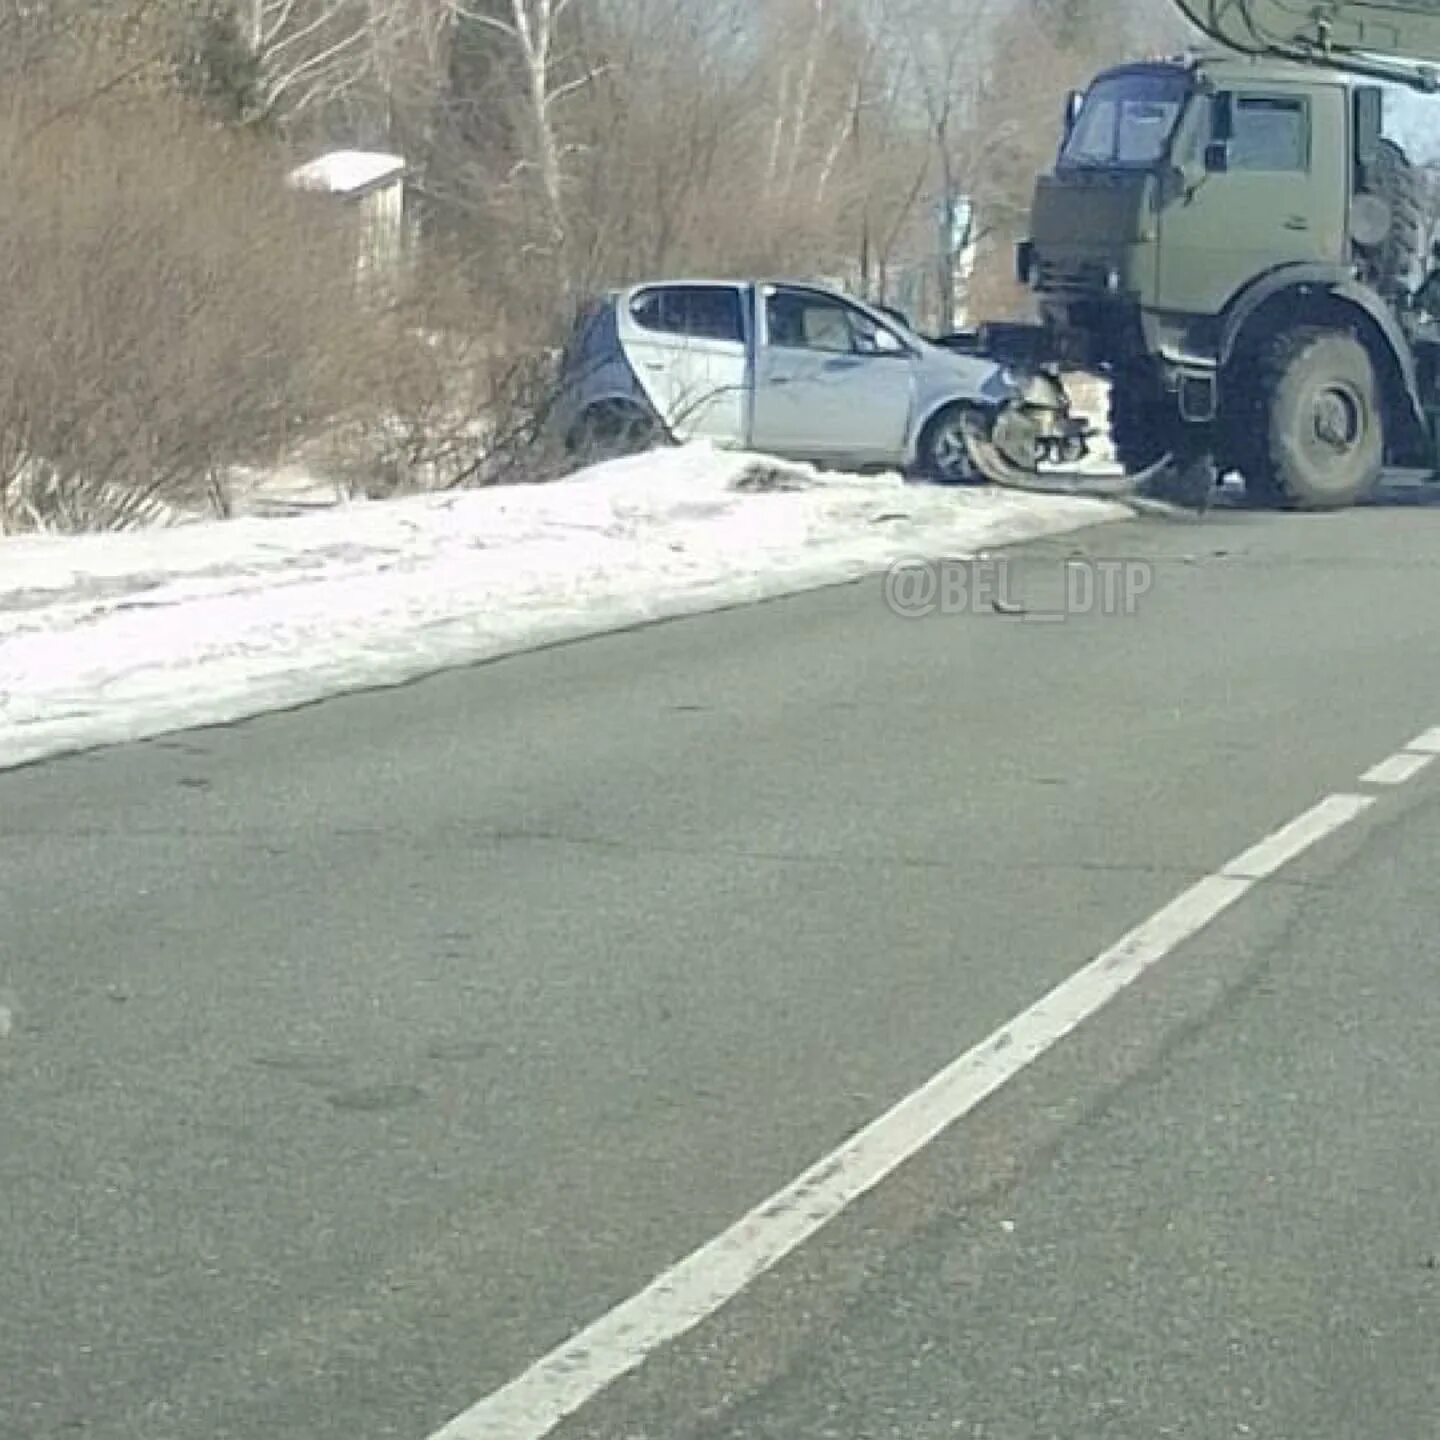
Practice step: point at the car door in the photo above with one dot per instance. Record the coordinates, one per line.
(830, 382)
(687, 345)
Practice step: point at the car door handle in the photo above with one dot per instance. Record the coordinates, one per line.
(1297, 222)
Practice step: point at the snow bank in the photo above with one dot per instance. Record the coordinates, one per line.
(105, 639)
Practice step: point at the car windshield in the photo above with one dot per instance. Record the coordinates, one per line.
(1126, 120)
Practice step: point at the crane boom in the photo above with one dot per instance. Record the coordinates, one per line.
(1397, 41)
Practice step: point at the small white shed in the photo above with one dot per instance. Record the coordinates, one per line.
(373, 182)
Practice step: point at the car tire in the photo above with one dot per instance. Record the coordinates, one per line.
(943, 454)
(611, 430)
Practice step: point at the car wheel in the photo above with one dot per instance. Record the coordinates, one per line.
(610, 430)
(944, 452)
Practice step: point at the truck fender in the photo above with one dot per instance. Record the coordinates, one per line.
(1336, 283)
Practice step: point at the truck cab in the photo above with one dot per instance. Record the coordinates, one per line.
(1208, 221)
(1176, 186)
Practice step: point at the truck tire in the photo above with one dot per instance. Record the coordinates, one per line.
(1396, 264)
(1321, 442)
(1243, 410)
(1143, 427)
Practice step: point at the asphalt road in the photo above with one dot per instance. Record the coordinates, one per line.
(358, 1056)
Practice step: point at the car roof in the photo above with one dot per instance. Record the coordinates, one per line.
(719, 282)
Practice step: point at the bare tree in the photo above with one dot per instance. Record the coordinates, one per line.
(950, 59)
(309, 54)
(532, 28)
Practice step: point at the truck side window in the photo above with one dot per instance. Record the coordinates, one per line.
(701, 312)
(1271, 134)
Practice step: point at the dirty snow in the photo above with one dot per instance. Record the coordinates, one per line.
(110, 638)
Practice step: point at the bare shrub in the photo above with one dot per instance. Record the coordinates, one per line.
(171, 308)
(462, 386)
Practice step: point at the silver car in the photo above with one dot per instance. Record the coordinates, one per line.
(793, 370)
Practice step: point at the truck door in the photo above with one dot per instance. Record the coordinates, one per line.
(1280, 198)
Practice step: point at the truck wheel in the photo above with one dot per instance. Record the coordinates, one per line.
(1323, 436)
(1243, 412)
(1142, 428)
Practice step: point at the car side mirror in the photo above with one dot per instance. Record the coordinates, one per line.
(1073, 101)
(1217, 157)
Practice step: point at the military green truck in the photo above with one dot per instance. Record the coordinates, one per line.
(1232, 239)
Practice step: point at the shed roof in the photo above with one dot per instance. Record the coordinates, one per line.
(349, 172)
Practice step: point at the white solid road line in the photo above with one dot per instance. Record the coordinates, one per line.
(1397, 769)
(557, 1385)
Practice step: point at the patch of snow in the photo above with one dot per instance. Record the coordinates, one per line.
(112, 638)
(342, 172)
(282, 490)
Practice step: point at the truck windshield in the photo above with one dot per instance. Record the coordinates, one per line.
(1126, 120)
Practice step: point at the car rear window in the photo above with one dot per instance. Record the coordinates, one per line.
(703, 312)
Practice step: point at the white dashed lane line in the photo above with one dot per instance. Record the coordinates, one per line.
(1405, 764)
(1426, 744)
(1397, 769)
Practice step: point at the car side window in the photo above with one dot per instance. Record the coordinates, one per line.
(800, 321)
(1271, 134)
(868, 338)
(701, 312)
